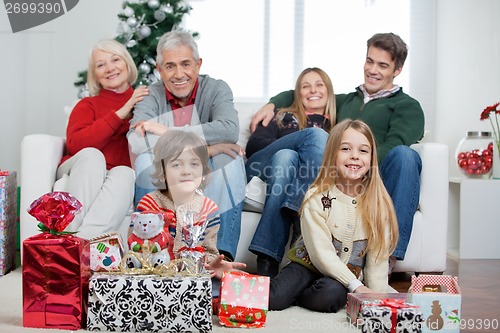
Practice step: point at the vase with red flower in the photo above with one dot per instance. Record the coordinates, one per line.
(492, 113)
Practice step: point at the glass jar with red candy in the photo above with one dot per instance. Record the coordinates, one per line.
(474, 155)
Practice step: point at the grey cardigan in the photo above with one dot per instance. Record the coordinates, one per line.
(215, 119)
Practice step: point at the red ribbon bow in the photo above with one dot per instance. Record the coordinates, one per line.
(394, 304)
(55, 211)
(192, 249)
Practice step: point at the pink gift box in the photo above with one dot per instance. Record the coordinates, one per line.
(244, 300)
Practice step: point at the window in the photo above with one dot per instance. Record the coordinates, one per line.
(259, 47)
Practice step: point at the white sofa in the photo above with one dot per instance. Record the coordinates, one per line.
(41, 153)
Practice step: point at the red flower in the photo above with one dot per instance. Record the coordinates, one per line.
(495, 123)
(486, 112)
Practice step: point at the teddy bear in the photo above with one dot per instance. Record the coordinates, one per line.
(150, 238)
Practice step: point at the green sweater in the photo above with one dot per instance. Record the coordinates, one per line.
(394, 120)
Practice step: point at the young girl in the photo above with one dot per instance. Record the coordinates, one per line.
(349, 228)
(180, 170)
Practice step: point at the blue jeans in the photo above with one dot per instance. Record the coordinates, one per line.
(226, 187)
(288, 165)
(400, 171)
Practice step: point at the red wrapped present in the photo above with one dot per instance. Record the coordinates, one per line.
(56, 267)
(244, 300)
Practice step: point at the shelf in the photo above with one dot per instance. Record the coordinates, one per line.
(474, 210)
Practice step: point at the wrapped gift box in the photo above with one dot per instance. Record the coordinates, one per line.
(390, 315)
(139, 303)
(106, 253)
(356, 302)
(244, 300)
(440, 299)
(56, 272)
(8, 220)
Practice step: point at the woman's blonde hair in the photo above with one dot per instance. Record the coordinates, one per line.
(297, 108)
(114, 47)
(169, 146)
(375, 204)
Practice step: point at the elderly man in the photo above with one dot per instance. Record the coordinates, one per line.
(186, 100)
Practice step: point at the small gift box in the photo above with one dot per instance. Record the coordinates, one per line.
(440, 299)
(391, 316)
(356, 302)
(56, 267)
(138, 303)
(244, 300)
(8, 220)
(106, 253)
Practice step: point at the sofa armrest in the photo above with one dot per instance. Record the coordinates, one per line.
(40, 157)
(434, 176)
(428, 244)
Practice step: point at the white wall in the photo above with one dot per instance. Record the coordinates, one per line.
(467, 68)
(40, 65)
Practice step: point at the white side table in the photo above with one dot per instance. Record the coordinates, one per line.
(474, 218)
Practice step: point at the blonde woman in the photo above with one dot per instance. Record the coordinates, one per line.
(97, 163)
(286, 155)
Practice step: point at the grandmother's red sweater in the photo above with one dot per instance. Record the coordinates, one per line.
(94, 123)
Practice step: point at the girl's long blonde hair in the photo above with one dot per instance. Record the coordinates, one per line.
(297, 108)
(375, 204)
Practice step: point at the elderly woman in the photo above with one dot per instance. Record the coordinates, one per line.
(97, 167)
(287, 155)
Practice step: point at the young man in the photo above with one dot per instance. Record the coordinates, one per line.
(186, 100)
(395, 118)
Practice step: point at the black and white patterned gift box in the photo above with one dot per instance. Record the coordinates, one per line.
(150, 303)
(391, 316)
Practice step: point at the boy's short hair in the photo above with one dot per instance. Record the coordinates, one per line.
(169, 146)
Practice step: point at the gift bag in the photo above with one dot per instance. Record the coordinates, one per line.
(8, 220)
(440, 299)
(56, 267)
(106, 253)
(244, 300)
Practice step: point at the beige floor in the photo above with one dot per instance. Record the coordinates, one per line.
(294, 319)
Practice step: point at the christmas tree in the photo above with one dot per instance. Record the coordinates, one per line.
(142, 22)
